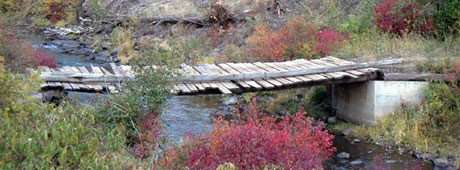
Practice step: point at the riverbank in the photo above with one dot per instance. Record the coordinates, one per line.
(362, 133)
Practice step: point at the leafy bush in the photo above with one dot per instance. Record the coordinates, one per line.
(97, 10)
(402, 17)
(266, 45)
(317, 104)
(18, 53)
(295, 36)
(295, 142)
(447, 17)
(44, 59)
(137, 106)
(123, 43)
(7, 5)
(55, 11)
(328, 40)
(42, 136)
(149, 132)
(297, 39)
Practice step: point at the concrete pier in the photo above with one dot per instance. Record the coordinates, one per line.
(367, 102)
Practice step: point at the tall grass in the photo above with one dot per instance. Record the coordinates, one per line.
(432, 127)
(37, 135)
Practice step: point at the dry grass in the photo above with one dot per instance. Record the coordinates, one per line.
(377, 46)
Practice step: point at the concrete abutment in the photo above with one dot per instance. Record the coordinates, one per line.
(368, 101)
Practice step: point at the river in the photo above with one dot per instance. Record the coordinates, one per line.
(185, 115)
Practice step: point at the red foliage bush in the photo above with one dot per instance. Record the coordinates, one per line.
(42, 58)
(56, 11)
(295, 142)
(149, 133)
(402, 17)
(20, 54)
(327, 40)
(267, 44)
(296, 39)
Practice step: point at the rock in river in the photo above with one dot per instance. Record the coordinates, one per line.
(343, 155)
(68, 44)
(356, 162)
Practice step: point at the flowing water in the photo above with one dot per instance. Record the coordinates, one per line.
(191, 115)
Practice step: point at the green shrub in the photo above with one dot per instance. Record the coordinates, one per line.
(7, 5)
(122, 40)
(42, 136)
(441, 114)
(317, 103)
(141, 96)
(97, 10)
(447, 17)
(432, 127)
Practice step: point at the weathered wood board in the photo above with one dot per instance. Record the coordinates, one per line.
(224, 78)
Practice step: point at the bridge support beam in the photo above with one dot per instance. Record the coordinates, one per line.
(367, 102)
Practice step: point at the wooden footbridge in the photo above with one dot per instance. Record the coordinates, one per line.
(223, 78)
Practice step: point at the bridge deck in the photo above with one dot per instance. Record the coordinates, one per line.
(223, 78)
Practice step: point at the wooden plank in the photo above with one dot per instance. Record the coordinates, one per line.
(275, 82)
(183, 88)
(265, 84)
(200, 87)
(283, 66)
(230, 85)
(67, 86)
(206, 85)
(106, 72)
(241, 69)
(339, 62)
(272, 70)
(344, 74)
(189, 70)
(74, 86)
(115, 69)
(244, 84)
(229, 69)
(217, 69)
(197, 70)
(83, 70)
(276, 70)
(254, 84)
(192, 88)
(254, 69)
(96, 70)
(336, 75)
(223, 89)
